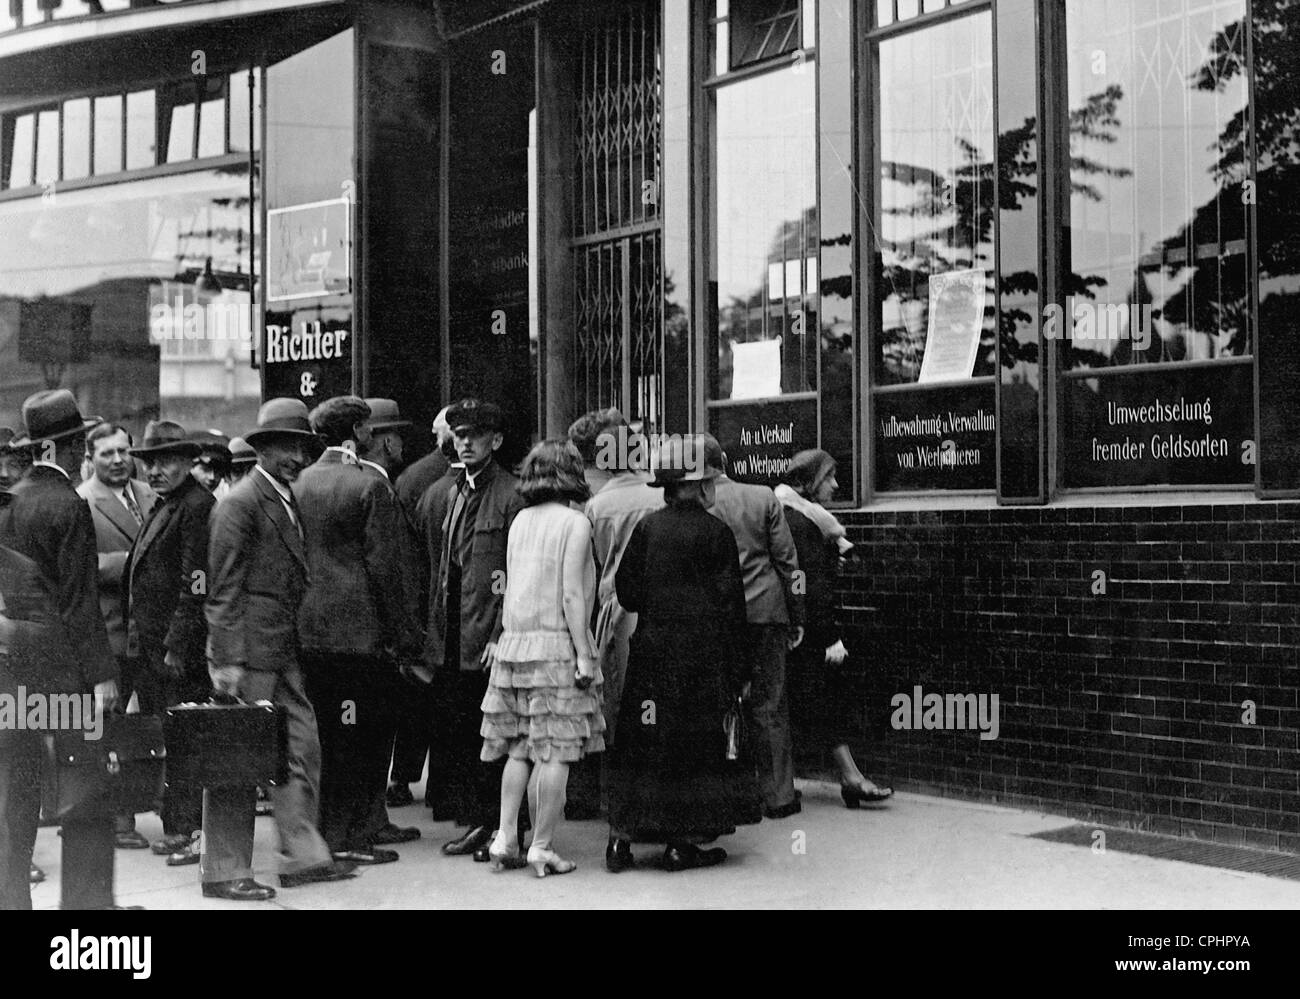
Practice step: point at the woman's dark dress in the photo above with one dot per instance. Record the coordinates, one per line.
(670, 780)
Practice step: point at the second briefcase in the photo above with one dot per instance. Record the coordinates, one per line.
(225, 745)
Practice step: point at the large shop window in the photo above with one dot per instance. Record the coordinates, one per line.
(100, 293)
(763, 269)
(1157, 326)
(933, 315)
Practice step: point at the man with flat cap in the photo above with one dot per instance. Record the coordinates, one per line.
(356, 625)
(166, 584)
(212, 463)
(47, 526)
(256, 583)
(465, 615)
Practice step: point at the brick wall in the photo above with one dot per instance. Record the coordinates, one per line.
(1123, 707)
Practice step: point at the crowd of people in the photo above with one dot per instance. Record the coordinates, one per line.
(624, 639)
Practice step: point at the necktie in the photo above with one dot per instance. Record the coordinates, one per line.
(457, 520)
(132, 505)
(295, 517)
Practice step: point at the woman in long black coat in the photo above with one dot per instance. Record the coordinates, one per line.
(669, 777)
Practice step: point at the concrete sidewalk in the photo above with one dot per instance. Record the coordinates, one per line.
(918, 852)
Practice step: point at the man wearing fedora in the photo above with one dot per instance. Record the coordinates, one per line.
(166, 576)
(257, 580)
(48, 523)
(119, 504)
(357, 623)
(465, 613)
(242, 460)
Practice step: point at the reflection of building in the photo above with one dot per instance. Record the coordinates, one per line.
(564, 205)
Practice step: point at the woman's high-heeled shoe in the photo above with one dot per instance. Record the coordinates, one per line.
(503, 858)
(545, 862)
(855, 794)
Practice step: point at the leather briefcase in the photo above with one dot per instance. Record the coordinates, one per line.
(225, 745)
(124, 767)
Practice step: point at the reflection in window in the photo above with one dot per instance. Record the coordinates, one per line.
(141, 125)
(240, 129)
(764, 264)
(47, 146)
(1157, 212)
(749, 31)
(124, 258)
(935, 201)
(21, 150)
(108, 134)
(212, 119)
(76, 139)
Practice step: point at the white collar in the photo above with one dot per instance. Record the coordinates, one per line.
(349, 456)
(50, 464)
(472, 477)
(375, 465)
(285, 495)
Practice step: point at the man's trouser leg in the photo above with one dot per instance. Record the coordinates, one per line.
(133, 679)
(20, 809)
(297, 800)
(769, 714)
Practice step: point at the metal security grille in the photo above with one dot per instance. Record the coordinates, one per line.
(617, 258)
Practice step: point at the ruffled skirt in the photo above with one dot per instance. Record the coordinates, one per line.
(532, 709)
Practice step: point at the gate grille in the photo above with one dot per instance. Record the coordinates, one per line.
(616, 250)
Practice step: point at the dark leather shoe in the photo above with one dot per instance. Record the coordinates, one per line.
(685, 857)
(366, 856)
(130, 840)
(242, 890)
(185, 856)
(398, 795)
(483, 854)
(336, 870)
(170, 844)
(479, 836)
(391, 835)
(783, 811)
(618, 856)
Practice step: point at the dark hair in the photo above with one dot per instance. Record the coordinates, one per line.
(807, 468)
(553, 473)
(590, 425)
(335, 420)
(682, 495)
(106, 430)
(714, 456)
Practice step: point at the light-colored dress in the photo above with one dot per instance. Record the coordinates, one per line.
(532, 708)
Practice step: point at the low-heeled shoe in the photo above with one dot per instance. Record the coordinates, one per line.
(783, 811)
(685, 858)
(391, 835)
(241, 890)
(336, 870)
(366, 856)
(479, 836)
(618, 856)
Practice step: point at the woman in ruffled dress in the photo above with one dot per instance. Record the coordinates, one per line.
(814, 677)
(542, 708)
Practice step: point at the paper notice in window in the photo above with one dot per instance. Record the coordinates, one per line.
(756, 369)
(956, 321)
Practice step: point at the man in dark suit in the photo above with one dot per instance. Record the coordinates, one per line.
(119, 504)
(422, 721)
(45, 521)
(256, 583)
(357, 622)
(166, 576)
(465, 614)
(774, 607)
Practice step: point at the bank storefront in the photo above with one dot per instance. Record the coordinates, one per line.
(1026, 269)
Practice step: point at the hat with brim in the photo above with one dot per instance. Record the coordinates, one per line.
(241, 453)
(384, 415)
(7, 436)
(163, 437)
(52, 415)
(681, 459)
(214, 447)
(281, 419)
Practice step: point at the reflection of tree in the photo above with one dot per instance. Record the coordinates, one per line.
(1217, 298)
(969, 196)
